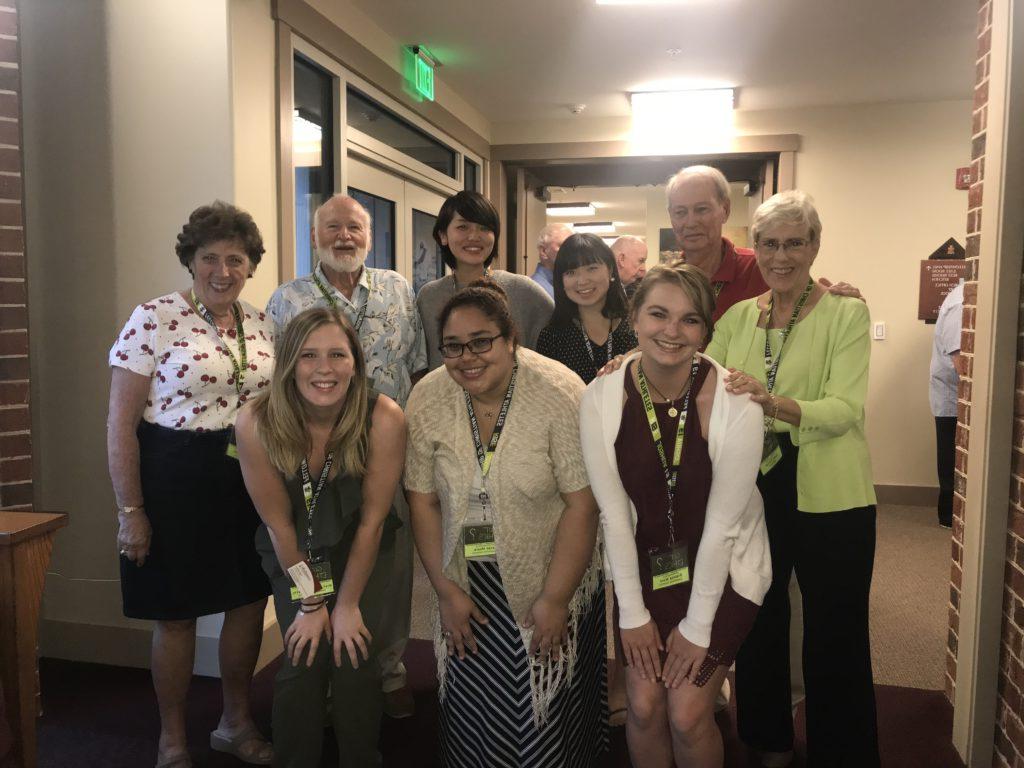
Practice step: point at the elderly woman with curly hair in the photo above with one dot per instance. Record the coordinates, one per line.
(180, 369)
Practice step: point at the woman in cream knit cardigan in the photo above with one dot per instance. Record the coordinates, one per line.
(506, 526)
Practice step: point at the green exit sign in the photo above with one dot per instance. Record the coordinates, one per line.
(424, 79)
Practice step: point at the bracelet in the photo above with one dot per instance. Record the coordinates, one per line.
(130, 510)
(313, 607)
(770, 421)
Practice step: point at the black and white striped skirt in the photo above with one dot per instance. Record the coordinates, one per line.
(487, 711)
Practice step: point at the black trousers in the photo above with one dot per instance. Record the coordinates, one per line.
(833, 554)
(945, 460)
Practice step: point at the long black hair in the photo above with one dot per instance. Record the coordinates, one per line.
(577, 251)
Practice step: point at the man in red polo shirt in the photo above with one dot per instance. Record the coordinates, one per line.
(698, 207)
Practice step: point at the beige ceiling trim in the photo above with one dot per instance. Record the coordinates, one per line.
(590, 150)
(335, 42)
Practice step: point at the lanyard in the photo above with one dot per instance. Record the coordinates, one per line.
(333, 300)
(240, 363)
(771, 367)
(485, 456)
(312, 496)
(590, 345)
(671, 472)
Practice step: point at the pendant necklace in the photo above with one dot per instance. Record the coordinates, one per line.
(672, 410)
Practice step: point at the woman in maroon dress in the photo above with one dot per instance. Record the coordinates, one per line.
(673, 460)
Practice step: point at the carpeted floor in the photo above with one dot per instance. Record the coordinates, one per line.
(105, 717)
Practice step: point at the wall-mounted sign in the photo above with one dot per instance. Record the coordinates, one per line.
(940, 273)
(423, 72)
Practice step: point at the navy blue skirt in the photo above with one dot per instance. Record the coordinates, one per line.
(202, 557)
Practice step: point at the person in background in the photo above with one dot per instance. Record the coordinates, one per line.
(506, 528)
(380, 306)
(673, 460)
(631, 262)
(549, 241)
(180, 369)
(589, 325)
(944, 379)
(322, 454)
(802, 354)
(467, 230)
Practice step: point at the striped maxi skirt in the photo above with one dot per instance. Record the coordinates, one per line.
(487, 712)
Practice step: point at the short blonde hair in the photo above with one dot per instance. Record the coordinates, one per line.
(791, 207)
(706, 172)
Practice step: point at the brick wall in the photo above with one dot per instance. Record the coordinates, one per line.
(1009, 735)
(15, 423)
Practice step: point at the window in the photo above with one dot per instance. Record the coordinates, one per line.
(371, 118)
(470, 175)
(382, 217)
(312, 153)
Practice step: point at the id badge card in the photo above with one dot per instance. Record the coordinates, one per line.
(478, 540)
(771, 453)
(670, 566)
(323, 582)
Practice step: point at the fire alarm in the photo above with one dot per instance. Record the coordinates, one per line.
(963, 178)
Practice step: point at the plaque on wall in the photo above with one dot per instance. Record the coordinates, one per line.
(938, 278)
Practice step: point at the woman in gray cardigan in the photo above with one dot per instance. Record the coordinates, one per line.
(467, 230)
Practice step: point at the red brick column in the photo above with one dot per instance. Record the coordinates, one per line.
(15, 421)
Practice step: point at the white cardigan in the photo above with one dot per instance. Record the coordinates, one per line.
(735, 541)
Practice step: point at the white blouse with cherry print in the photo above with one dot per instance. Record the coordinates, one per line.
(192, 380)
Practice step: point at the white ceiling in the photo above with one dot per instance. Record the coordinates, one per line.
(531, 59)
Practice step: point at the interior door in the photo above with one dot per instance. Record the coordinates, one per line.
(403, 216)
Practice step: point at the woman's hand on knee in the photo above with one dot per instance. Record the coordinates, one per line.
(306, 630)
(642, 648)
(684, 660)
(350, 632)
(457, 608)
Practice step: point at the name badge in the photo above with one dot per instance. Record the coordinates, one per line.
(478, 540)
(771, 453)
(670, 566)
(323, 582)
(232, 451)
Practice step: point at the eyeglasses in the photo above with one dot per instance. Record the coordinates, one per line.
(793, 245)
(477, 346)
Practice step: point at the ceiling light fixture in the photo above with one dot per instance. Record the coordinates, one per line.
(643, 2)
(571, 209)
(682, 121)
(594, 227)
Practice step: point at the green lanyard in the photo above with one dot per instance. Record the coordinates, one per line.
(333, 300)
(483, 456)
(311, 496)
(771, 367)
(671, 472)
(239, 364)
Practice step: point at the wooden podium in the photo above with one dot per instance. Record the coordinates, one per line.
(26, 540)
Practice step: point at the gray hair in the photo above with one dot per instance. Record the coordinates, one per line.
(715, 176)
(791, 207)
(342, 196)
(626, 241)
(548, 232)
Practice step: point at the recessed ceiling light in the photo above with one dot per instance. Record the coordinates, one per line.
(674, 51)
(595, 227)
(571, 209)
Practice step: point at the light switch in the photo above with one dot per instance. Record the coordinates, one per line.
(878, 330)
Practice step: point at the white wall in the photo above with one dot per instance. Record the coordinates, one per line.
(882, 176)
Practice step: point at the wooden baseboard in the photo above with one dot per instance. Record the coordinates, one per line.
(130, 646)
(908, 495)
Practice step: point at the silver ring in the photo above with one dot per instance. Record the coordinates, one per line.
(123, 552)
(446, 634)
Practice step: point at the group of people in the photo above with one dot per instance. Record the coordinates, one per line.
(685, 444)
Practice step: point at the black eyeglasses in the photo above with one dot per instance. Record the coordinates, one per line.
(477, 346)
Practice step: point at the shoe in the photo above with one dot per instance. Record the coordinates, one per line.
(399, 703)
(776, 759)
(722, 699)
(262, 753)
(945, 523)
(178, 761)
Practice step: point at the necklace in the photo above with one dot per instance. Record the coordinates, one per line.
(672, 410)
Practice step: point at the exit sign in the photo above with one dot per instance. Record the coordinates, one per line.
(424, 78)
